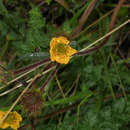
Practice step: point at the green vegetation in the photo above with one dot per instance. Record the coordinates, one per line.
(92, 91)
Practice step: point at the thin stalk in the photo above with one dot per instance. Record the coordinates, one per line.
(17, 100)
(20, 85)
(4, 49)
(49, 78)
(19, 77)
(78, 108)
(114, 5)
(94, 23)
(60, 88)
(27, 68)
(108, 34)
(71, 99)
(108, 79)
(60, 111)
(121, 84)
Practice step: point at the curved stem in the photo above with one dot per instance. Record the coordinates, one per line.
(86, 50)
(49, 78)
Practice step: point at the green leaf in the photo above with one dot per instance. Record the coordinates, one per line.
(48, 2)
(119, 105)
(36, 20)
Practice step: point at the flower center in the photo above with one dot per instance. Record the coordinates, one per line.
(10, 118)
(60, 48)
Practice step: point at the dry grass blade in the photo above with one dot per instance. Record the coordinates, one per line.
(115, 14)
(84, 17)
(63, 3)
(49, 78)
(59, 85)
(10, 90)
(110, 28)
(60, 111)
(20, 85)
(19, 77)
(91, 25)
(108, 34)
(17, 100)
(27, 68)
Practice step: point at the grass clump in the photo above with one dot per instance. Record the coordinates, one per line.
(92, 90)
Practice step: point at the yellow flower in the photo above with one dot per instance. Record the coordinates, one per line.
(60, 51)
(13, 120)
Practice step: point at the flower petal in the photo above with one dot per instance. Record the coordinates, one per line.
(62, 59)
(4, 125)
(60, 51)
(62, 39)
(71, 51)
(13, 120)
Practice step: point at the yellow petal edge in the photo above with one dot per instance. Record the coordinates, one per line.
(13, 120)
(60, 51)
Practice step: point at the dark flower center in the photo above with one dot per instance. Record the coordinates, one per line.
(10, 118)
(60, 48)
